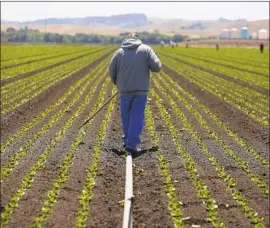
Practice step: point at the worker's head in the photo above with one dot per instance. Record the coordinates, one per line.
(133, 36)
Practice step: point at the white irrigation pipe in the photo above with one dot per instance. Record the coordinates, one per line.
(127, 219)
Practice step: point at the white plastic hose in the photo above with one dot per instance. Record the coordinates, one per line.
(129, 197)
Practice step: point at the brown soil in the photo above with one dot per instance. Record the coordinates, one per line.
(193, 206)
(150, 206)
(245, 185)
(260, 147)
(44, 178)
(11, 121)
(238, 121)
(151, 200)
(226, 77)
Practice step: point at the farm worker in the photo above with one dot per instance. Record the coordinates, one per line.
(261, 47)
(129, 71)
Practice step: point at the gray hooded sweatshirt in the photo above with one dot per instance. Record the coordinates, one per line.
(130, 65)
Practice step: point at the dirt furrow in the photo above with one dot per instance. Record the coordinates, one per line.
(38, 147)
(20, 141)
(194, 206)
(254, 164)
(10, 122)
(42, 183)
(238, 121)
(105, 207)
(65, 209)
(150, 206)
(251, 86)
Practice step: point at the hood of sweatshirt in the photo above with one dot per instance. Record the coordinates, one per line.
(131, 43)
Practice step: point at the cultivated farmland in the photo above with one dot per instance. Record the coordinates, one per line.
(205, 159)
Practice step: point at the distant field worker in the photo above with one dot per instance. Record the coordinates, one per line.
(217, 46)
(261, 47)
(129, 71)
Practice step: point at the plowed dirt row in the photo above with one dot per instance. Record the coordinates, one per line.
(249, 85)
(218, 188)
(11, 121)
(246, 127)
(152, 200)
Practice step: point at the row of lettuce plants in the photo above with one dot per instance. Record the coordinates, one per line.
(28, 178)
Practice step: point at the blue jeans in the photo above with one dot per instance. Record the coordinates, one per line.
(132, 115)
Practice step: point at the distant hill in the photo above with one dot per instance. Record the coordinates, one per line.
(116, 24)
(122, 21)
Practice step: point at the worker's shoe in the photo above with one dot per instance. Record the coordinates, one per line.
(133, 151)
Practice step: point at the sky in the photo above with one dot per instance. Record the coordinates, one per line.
(23, 11)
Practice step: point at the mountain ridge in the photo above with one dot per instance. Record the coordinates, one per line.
(136, 22)
(106, 19)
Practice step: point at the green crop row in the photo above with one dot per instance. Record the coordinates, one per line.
(62, 177)
(230, 91)
(250, 78)
(173, 204)
(87, 192)
(225, 86)
(79, 64)
(222, 174)
(13, 53)
(212, 62)
(225, 95)
(41, 80)
(20, 83)
(41, 57)
(18, 86)
(14, 159)
(217, 121)
(238, 55)
(29, 94)
(16, 96)
(254, 178)
(38, 82)
(11, 72)
(39, 164)
(29, 125)
(201, 188)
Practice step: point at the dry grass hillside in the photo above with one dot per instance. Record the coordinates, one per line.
(169, 26)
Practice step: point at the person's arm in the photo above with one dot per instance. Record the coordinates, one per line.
(113, 68)
(154, 62)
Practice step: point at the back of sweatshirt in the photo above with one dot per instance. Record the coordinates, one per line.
(130, 65)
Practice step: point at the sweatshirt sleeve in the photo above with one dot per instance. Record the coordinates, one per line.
(113, 68)
(154, 62)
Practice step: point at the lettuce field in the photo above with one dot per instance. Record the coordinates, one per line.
(205, 158)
